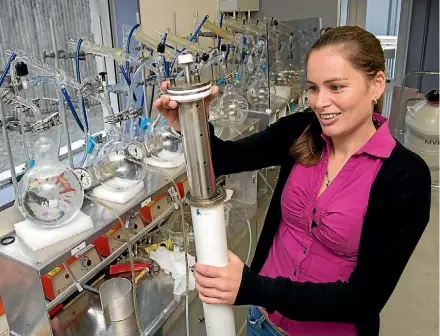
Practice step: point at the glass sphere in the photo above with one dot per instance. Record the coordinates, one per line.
(258, 91)
(119, 162)
(232, 107)
(49, 194)
(163, 143)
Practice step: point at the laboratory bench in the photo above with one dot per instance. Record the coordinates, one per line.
(161, 312)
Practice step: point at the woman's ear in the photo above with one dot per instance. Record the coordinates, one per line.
(378, 84)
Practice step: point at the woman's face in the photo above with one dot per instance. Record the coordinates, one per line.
(341, 96)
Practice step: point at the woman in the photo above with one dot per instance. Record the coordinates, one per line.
(348, 210)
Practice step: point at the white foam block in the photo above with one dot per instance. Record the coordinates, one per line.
(107, 194)
(37, 238)
(176, 162)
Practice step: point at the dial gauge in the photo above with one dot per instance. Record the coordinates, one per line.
(135, 151)
(84, 177)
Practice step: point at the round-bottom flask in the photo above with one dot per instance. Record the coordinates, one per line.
(49, 194)
(119, 164)
(232, 107)
(164, 145)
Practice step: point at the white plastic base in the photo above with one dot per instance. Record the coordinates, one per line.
(107, 194)
(176, 162)
(37, 238)
(212, 249)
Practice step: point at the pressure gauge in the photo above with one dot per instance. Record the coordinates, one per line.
(85, 177)
(136, 151)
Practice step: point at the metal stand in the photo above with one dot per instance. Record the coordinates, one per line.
(8, 148)
(205, 199)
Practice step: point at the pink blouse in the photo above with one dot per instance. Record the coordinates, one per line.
(318, 238)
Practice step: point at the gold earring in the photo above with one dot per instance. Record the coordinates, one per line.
(375, 101)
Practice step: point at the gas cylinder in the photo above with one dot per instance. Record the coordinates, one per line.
(422, 131)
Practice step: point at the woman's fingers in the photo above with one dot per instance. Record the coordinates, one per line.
(210, 300)
(205, 281)
(211, 292)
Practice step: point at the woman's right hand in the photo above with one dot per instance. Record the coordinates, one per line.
(169, 108)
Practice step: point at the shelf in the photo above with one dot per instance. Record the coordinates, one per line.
(46, 259)
(155, 299)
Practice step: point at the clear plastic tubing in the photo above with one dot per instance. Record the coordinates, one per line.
(148, 65)
(117, 54)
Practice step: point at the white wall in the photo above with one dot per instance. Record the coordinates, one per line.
(284, 10)
(377, 16)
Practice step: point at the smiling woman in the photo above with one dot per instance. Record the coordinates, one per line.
(348, 210)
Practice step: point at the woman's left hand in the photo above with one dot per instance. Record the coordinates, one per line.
(219, 285)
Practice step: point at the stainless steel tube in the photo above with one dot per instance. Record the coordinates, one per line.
(194, 126)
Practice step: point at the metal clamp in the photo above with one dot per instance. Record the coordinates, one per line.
(200, 203)
(123, 115)
(46, 123)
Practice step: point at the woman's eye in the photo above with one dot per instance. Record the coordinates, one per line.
(336, 87)
(312, 89)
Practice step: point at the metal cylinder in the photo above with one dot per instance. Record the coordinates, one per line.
(194, 127)
(117, 299)
(195, 133)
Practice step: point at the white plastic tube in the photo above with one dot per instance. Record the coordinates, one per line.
(211, 249)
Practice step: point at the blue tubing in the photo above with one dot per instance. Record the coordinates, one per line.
(72, 108)
(7, 67)
(78, 79)
(152, 100)
(127, 80)
(127, 46)
(199, 27)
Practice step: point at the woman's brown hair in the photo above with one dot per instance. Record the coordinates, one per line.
(364, 51)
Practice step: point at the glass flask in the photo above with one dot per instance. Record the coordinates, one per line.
(258, 91)
(49, 194)
(232, 107)
(164, 145)
(119, 163)
(214, 116)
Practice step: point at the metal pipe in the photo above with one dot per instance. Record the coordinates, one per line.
(21, 118)
(8, 149)
(61, 107)
(56, 60)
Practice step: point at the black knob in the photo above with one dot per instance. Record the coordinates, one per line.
(205, 57)
(21, 69)
(161, 48)
(103, 75)
(223, 47)
(432, 96)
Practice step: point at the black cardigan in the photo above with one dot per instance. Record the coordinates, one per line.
(397, 214)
